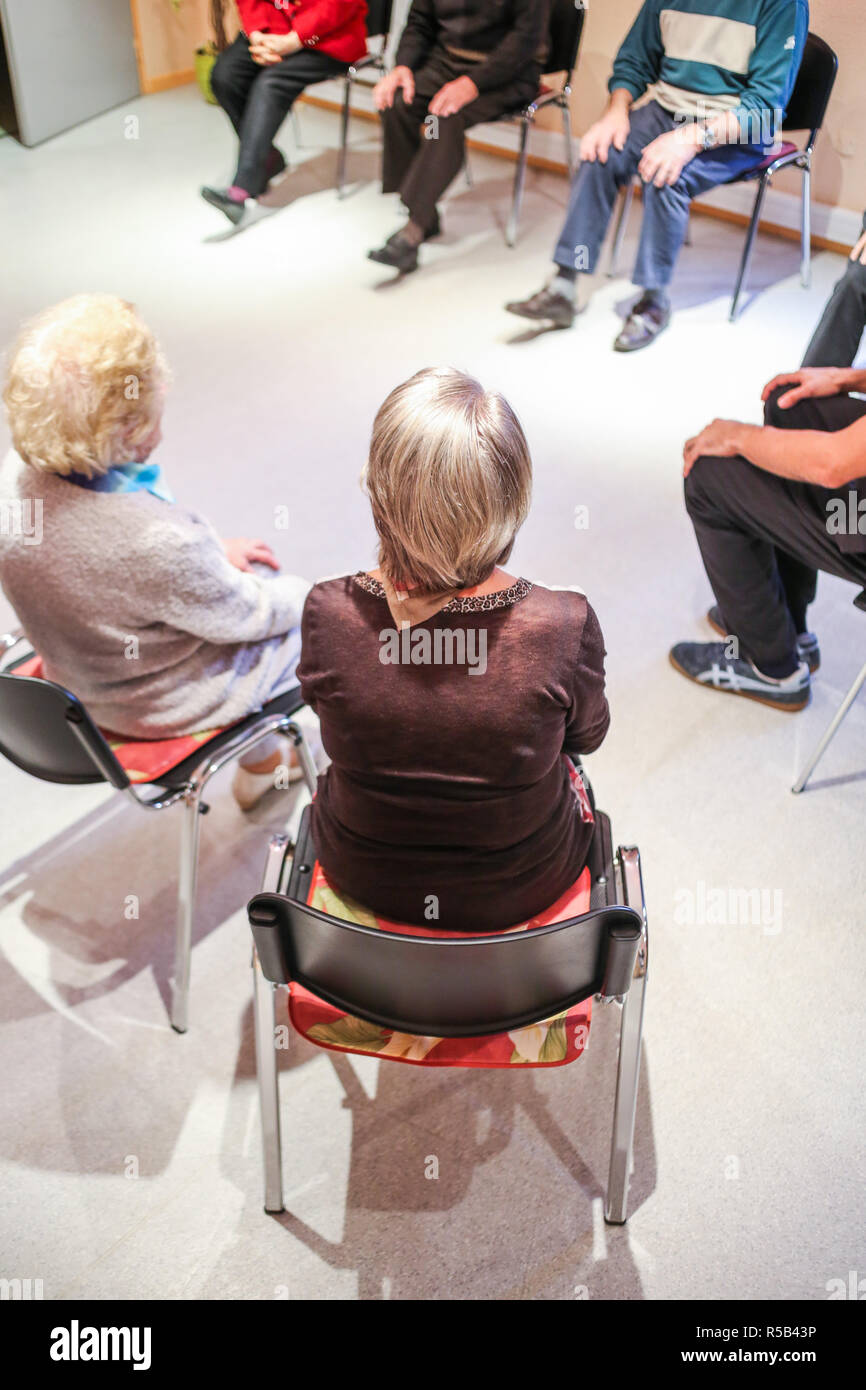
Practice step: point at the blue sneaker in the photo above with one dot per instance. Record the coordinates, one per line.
(709, 664)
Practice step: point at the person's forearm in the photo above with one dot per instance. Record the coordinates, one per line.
(621, 99)
(805, 456)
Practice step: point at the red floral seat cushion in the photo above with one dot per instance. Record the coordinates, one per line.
(143, 760)
(554, 1042)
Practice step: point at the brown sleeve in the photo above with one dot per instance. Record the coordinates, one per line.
(589, 716)
(310, 674)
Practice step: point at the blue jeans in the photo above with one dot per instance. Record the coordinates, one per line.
(665, 210)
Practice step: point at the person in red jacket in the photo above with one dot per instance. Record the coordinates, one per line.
(283, 47)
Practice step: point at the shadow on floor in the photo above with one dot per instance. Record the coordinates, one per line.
(514, 1210)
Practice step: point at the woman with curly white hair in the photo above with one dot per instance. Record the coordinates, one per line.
(133, 602)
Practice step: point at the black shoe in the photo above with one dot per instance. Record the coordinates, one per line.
(807, 642)
(708, 663)
(398, 253)
(545, 307)
(219, 198)
(648, 318)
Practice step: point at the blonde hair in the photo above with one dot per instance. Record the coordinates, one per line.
(84, 387)
(449, 479)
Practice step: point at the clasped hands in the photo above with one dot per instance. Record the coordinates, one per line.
(267, 49)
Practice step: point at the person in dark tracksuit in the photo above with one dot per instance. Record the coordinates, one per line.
(459, 63)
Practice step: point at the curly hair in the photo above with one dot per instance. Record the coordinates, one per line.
(85, 386)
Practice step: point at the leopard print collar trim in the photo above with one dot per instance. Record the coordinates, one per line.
(467, 603)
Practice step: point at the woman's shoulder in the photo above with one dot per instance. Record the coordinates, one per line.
(559, 601)
(333, 593)
(557, 609)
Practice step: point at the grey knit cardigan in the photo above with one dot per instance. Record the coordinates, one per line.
(133, 606)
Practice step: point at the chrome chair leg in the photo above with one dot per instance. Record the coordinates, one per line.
(296, 126)
(749, 247)
(189, 841)
(569, 144)
(467, 169)
(831, 732)
(305, 758)
(344, 136)
(628, 1066)
(264, 1013)
(519, 180)
(625, 1105)
(621, 228)
(806, 229)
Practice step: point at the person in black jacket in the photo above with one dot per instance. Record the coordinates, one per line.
(459, 63)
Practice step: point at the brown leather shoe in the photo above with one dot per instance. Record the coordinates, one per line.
(545, 307)
(646, 321)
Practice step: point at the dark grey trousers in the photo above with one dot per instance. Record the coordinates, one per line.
(423, 153)
(257, 100)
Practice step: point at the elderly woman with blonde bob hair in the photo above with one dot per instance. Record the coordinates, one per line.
(133, 602)
(449, 690)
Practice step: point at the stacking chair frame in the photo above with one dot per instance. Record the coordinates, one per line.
(294, 941)
(73, 751)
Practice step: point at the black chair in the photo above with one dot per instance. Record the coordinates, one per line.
(46, 731)
(832, 728)
(378, 27)
(806, 111)
(453, 987)
(566, 30)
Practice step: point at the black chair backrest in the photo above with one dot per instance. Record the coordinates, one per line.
(378, 17)
(813, 87)
(46, 731)
(436, 985)
(566, 28)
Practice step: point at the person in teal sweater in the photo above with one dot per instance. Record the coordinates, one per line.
(720, 74)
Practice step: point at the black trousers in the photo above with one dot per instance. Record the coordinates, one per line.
(420, 161)
(257, 100)
(836, 340)
(763, 539)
